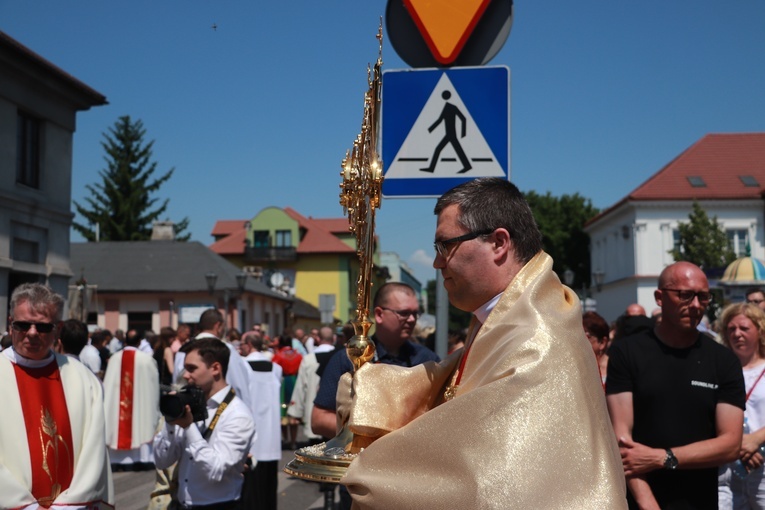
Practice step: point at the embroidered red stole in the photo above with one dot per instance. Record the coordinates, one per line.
(125, 432)
(49, 432)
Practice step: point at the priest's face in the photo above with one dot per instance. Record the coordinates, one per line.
(465, 263)
(33, 332)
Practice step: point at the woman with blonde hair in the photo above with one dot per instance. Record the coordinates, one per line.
(743, 331)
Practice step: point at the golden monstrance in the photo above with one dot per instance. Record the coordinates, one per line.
(360, 195)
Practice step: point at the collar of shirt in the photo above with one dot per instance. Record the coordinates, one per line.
(216, 400)
(483, 311)
(12, 355)
(324, 348)
(404, 354)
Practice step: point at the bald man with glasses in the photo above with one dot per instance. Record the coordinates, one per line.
(676, 399)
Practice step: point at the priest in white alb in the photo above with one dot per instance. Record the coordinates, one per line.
(52, 451)
(131, 402)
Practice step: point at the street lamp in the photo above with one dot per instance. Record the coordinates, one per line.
(598, 275)
(211, 278)
(241, 281)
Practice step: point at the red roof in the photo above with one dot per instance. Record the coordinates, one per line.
(232, 244)
(718, 165)
(319, 235)
(226, 227)
(318, 238)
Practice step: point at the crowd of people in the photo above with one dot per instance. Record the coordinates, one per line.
(536, 405)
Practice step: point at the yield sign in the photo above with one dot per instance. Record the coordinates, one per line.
(446, 26)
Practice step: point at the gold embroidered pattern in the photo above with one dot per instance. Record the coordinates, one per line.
(127, 391)
(51, 442)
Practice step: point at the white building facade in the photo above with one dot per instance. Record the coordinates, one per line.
(630, 243)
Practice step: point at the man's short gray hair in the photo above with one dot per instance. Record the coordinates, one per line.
(40, 298)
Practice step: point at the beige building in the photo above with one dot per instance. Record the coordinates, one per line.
(38, 108)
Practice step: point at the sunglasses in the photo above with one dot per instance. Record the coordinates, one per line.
(41, 327)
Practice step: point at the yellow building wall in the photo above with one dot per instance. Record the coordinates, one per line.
(324, 274)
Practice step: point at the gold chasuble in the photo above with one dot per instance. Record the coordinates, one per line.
(527, 427)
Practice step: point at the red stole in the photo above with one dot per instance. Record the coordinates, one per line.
(49, 432)
(125, 432)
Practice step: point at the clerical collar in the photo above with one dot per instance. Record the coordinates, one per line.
(483, 311)
(214, 401)
(17, 358)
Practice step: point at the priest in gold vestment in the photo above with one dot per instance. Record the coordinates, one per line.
(515, 420)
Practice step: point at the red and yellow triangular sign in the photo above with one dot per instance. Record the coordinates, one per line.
(446, 24)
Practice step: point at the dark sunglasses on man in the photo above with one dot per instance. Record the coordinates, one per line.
(40, 327)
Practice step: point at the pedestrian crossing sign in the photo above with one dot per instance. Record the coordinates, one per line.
(443, 127)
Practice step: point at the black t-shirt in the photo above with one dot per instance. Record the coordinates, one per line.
(674, 396)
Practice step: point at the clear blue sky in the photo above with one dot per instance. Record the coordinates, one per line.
(260, 111)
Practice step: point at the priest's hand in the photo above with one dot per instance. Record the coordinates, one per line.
(185, 420)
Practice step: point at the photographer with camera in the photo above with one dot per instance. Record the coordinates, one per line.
(210, 453)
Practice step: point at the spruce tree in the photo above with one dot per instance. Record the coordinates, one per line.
(122, 205)
(703, 241)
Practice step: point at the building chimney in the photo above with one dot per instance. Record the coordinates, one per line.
(163, 231)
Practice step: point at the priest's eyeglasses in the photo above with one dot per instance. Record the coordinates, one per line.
(686, 296)
(24, 326)
(403, 314)
(442, 247)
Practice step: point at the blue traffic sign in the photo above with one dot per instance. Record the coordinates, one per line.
(443, 127)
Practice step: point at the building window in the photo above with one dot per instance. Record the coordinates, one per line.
(739, 241)
(676, 240)
(749, 181)
(696, 181)
(25, 250)
(27, 150)
(284, 238)
(260, 239)
(139, 321)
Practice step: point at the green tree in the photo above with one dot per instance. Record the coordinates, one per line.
(561, 221)
(703, 241)
(122, 205)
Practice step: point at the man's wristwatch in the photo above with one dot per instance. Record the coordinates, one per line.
(670, 461)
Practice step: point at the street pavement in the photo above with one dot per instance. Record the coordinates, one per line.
(132, 490)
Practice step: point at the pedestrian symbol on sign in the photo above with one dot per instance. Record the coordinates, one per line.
(444, 141)
(449, 116)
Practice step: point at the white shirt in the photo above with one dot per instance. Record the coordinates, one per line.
(208, 471)
(145, 346)
(114, 345)
(755, 406)
(90, 357)
(266, 406)
(323, 348)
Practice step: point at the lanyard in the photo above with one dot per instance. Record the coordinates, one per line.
(749, 393)
(222, 407)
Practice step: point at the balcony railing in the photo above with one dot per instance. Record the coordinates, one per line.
(255, 255)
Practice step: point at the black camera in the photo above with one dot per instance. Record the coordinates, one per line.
(173, 406)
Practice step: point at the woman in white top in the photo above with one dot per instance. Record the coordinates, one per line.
(743, 329)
